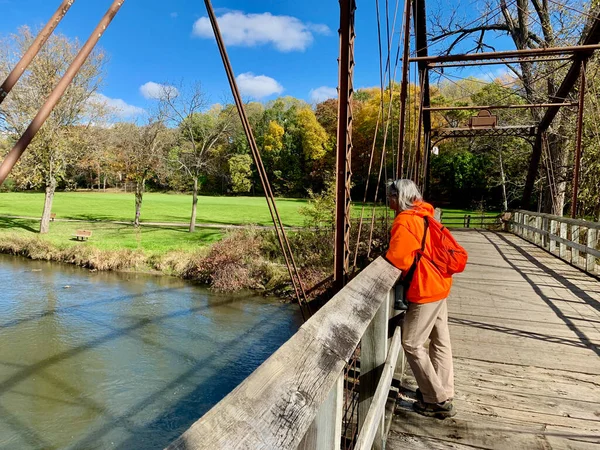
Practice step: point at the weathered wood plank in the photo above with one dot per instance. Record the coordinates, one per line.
(373, 353)
(368, 432)
(525, 336)
(325, 432)
(274, 407)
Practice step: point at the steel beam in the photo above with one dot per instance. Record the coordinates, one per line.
(577, 164)
(585, 49)
(590, 43)
(15, 154)
(34, 49)
(470, 108)
(420, 20)
(498, 62)
(403, 90)
(344, 143)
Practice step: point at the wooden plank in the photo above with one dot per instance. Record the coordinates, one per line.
(373, 353)
(368, 434)
(539, 231)
(526, 371)
(574, 250)
(553, 230)
(584, 223)
(275, 406)
(592, 240)
(563, 241)
(325, 432)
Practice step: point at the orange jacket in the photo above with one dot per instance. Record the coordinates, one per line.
(428, 284)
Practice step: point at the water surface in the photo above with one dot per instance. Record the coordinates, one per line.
(127, 361)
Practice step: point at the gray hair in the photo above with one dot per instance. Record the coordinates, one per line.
(405, 192)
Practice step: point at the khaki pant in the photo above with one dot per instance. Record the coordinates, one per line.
(433, 370)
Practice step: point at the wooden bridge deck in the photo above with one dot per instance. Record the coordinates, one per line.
(525, 330)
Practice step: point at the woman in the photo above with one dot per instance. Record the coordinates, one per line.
(427, 315)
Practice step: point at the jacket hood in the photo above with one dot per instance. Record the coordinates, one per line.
(421, 209)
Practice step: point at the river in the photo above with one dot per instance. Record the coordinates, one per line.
(121, 361)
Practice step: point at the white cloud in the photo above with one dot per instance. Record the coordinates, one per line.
(258, 86)
(118, 107)
(322, 93)
(285, 33)
(155, 91)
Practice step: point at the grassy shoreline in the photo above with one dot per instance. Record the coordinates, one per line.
(236, 262)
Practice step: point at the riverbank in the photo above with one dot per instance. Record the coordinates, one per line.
(228, 261)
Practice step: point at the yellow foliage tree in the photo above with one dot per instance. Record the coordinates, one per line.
(313, 135)
(273, 138)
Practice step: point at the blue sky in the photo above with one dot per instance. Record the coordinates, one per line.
(277, 47)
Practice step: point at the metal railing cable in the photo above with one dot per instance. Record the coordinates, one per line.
(279, 228)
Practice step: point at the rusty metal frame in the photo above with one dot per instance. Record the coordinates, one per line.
(525, 131)
(577, 162)
(474, 108)
(579, 54)
(403, 90)
(34, 49)
(344, 143)
(17, 151)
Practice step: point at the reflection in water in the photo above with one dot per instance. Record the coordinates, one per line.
(104, 360)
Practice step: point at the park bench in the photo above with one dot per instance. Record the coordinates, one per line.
(52, 217)
(483, 119)
(83, 235)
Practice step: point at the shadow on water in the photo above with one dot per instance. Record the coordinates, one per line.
(64, 309)
(180, 416)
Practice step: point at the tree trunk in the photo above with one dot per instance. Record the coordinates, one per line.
(139, 194)
(45, 223)
(104, 185)
(99, 182)
(194, 206)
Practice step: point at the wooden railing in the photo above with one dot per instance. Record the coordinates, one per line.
(295, 398)
(574, 241)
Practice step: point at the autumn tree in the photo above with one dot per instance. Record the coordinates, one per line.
(201, 131)
(141, 154)
(55, 147)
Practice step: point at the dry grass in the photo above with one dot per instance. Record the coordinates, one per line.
(243, 259)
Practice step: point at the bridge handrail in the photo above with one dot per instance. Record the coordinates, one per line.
(572, 240)
(567, 220)
(295, 398)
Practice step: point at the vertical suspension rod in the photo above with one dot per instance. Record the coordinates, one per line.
(403, 90)
(279, 228)
(34, 49)
(43, 114)
(419, 129)
(344, 143)
(577, 165)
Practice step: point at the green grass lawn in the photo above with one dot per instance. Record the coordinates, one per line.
(155, 208)
(107, 236)
(99, 208)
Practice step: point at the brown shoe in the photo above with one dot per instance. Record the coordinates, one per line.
(438, 410)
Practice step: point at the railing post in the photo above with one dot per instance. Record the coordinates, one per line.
(518, 220)
(553, 230)
(538, 232)
(325, 432)
(592, 237)
(373, 352)
(575, 239)
(563, 246)
(546, 230)
(526, 231)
